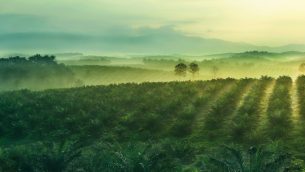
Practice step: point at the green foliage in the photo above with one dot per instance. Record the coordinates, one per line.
(40, 156)
(139, 127)
(269, 158)
(36, 72)
(301, 95)
(279, 110)
(225, 106)
(181, 69)
(146, 109)
(105, 75)
(194, 68)
(166, 155)
(42, 59)
(245, 121)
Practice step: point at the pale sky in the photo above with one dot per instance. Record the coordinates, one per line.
(259, 22)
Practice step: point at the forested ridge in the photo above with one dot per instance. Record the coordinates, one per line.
(153, 127)
(35, 72)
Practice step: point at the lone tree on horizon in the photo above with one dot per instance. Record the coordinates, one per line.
(194, 69)
(181, 69)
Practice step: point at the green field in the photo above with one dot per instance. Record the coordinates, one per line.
(166, 126)
(104, 75)
(240, 112)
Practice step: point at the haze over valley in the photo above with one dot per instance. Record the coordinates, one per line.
(152, 86)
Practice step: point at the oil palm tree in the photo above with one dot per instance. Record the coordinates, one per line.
(261, 159)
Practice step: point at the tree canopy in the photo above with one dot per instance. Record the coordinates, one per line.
(181, 69)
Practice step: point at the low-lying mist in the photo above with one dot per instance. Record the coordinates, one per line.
(74, 70)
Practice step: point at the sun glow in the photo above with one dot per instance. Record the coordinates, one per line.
(261, 22)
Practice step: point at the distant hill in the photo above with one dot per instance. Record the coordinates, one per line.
(258, 55)
(150, 41)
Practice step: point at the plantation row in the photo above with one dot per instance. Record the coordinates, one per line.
(224, 107)
(79, 127)
(301, 96)
(300, 136)
(245, 122)
(146, 109)
(279, 110)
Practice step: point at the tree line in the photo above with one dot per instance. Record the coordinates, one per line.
(35, 72)
(35, 59)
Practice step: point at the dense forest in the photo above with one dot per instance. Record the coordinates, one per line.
(34, 72)
(215, 125)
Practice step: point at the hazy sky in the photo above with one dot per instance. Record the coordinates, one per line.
(260, 22)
